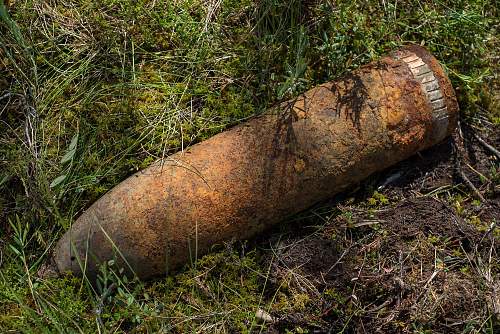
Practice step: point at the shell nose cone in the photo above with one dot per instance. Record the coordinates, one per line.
(84, 246)
(70, 250)
(125, 225)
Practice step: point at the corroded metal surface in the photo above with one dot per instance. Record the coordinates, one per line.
(242, 181)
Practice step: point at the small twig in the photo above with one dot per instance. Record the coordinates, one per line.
(459, 146)
(477, 172)
(426, 284)
(338, 261)
(488, 146)
(491, 229)
(458, 322)
(366, 222)
(381, 306)
(6, 95)
(470, 185)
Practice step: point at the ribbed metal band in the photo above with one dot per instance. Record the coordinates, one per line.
(430, 86)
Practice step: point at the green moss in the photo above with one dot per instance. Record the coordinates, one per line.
(224, 285)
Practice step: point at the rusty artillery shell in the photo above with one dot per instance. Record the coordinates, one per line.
(242, 181)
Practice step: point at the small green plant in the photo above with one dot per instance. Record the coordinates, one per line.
(378, 199)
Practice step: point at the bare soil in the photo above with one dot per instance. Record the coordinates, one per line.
(426, 262)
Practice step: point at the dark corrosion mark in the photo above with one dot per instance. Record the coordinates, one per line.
(353, 99)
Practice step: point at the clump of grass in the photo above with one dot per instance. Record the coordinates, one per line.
(93, 91)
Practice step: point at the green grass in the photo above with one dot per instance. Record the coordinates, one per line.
(92, 91)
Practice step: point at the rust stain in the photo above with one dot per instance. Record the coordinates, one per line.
(300, 165)
(242, 181)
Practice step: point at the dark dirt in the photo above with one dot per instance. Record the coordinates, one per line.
(427, 262)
